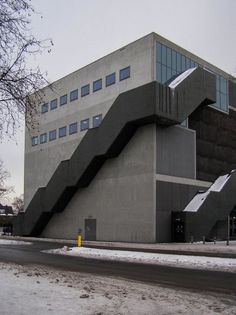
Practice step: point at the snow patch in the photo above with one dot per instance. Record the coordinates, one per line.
(40, 291)
(181, 77)
(198, 262)
(199, 199)
(12, 242)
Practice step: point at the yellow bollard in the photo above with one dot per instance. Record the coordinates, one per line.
(79, 240)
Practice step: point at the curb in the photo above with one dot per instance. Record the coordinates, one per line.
(114, 246)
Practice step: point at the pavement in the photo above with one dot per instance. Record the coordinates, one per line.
(169, 276)
(209, 249)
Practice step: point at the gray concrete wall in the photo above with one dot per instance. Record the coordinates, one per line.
(42, 160)
(121, 197)
(176, 151)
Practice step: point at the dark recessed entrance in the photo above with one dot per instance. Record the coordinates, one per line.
(233, 224)
(90, 229)
(178, 226)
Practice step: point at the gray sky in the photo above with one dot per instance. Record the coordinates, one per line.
(83, 31)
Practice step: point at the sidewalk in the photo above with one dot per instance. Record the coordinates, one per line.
(209, 249)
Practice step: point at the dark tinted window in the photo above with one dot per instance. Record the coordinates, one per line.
(43, 138)
(53, 104)
(97, 85)
(124, 73)
(85, 90)
(84, 124)
(73, 95)
(111, 79)
(44, 108)
(97, 120)
(35, 140)
(73, 128)
(62, 132)
(63, 100)
(52, 135)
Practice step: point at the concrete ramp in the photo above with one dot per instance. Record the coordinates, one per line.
(206, 208)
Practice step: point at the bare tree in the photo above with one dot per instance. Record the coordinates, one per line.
(18, 204)
(4, 175)
(17, 79)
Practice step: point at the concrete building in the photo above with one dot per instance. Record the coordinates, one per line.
(124, 145)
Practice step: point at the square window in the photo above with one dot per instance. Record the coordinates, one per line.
(62, 132)
(43, 138)
(85, 90)
(97, 85)
(53, 104)
(73, 128)
(84, 124)
(52, 135)
(111, 79)
(44, 108)
(124, 73)
(63, 100)
(97, 120)
(73, 95)
(35, 141)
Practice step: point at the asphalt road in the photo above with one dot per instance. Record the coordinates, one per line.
(200, 280)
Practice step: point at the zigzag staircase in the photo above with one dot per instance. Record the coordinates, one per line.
(150, 103)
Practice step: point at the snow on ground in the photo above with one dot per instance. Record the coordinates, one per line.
(40, 291)
(209, 247)
(13, 242)
(199, 262)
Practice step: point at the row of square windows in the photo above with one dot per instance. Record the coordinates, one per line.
(62, 132)
(85, 90)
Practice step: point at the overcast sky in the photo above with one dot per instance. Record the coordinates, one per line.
(83, 31)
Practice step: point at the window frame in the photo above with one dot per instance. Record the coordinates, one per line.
(95, 89)
(94, 119)
(63, 102)
(71, 132)
(126, 76)
(60, 130)
(87, 92)
(43, 138)
(52, 107)
(108, 76)
(50, 133)
(44, 108)
(81, 124)
(74, 98)
(33, 142)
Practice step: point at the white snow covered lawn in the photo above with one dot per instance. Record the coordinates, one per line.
(27, 290)
(199, 262)
(13, 242)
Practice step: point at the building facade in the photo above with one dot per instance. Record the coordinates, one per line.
(125, 144)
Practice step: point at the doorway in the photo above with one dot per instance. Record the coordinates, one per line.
(233, 224)
(90, 229)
